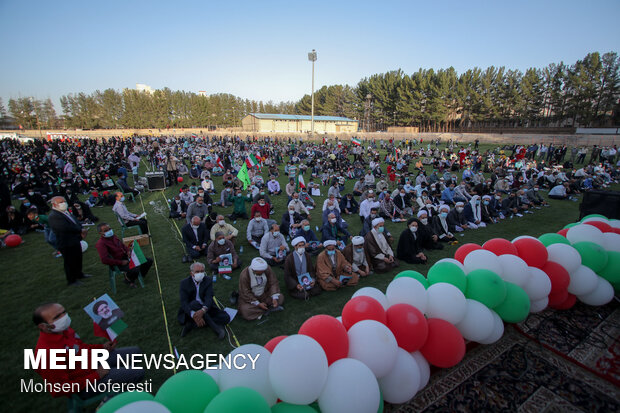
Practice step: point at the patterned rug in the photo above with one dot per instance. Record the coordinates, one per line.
(520, 374)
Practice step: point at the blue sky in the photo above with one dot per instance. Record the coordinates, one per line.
(258, 49)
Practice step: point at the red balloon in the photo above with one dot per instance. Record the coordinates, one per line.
(106, 193)
(465, 249)
(568, 303)
(563, 232)
(444, 346)
(362, 308)
(603, 226)
(13, 240)
(616, 230)
(532, 251)
(408, 325)
(330, 334)
(180, 179)
(558, 298)
(271, 344)
(558, 276)
(500, 246)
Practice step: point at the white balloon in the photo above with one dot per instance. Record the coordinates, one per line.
(615, 223)
(403, 382)
(565, 255)
(583, 281)
(478, 322)
(373, 293)
(522, 237)
(447, 302)
(214, 373)
(84, 245)
(611, 241)
(584, 232)
(602, 294)
(482, 259)
(350, 377)
(425, 369)
(498, 330)
(407, 290)
(514, 269)
(339, 318)
(256, 378)
(372, 343)
(538, 305)
(143, 406)
(538, 286)
(605, 220)
(453, 261)
(298, 369)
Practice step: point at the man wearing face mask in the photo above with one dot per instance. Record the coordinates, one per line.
(113, 252)
(440, 224)
(198, 209)
(456, 218)
(312, 242)
(257, 227)
(291, 222)
(410, 244)
(332, 230)
(273, 186)
(225, 195)
(356, 254)
(68, 233)
(297, 264)
(367, 204)
(330, 265)
(259, 290)
(273, 246)
(55, 333)
(198, 308)
(299, 206)
(379, 249)
(196, 238)
(230, 232)
(218, 247)
(130, 219)
(426, 234)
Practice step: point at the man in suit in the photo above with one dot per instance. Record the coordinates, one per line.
(69, 233)
(197, 305)
(196, 237)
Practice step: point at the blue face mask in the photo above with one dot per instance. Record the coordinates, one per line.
(307, 228)
(443, 214)
(359, 249)
(109, 233)
(486, 202)
(331, 252)
(380, 229)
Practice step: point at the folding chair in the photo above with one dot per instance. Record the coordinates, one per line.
(124, 226)
(114, 271)
(127, 194)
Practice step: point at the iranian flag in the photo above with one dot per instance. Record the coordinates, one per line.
(356, 141)
(251, 161)
(219, 163)
(194, 135)
(137, 257)
(301, 184)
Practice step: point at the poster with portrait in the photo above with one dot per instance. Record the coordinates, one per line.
(305, 280)
(107, 315)
(226, 261)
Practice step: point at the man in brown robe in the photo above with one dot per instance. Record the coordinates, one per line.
(259, 291)
(296, 264)
(330, 265)
(379, 249)
(357, 255)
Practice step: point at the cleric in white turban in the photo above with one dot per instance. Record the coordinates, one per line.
(378, 248)
(299, 272)
(259, 290)
(355, 253)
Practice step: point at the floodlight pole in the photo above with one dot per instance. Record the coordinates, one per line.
(312, 58)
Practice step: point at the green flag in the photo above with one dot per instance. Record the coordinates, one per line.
(244, 177)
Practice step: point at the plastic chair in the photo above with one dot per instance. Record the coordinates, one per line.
(124, 226)
(114, 271)
(126, 194)
(75, 404)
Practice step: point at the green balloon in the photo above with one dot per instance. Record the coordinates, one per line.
(616, 286)
(611, 272)
(292, 408)
(381, 403)
(571, 225)
(123, 399)
(553, 238)
(448, 272)
(238, 400)
(487, 287)
(415, 275)
(188, 391)
(593, 255)
(315, 405)
(593, 216)
(516, 306)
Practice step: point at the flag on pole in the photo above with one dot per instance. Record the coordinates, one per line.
(137, 257)
(194, 135)
(356, 141)
(219, 163)
(251, 161)
(301, 184)
(244, 177)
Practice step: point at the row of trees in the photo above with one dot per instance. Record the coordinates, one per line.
(583, 94)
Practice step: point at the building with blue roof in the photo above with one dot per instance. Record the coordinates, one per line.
(274, 123)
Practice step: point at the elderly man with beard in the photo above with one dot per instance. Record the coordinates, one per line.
(331, 265)
(299, 264)
(259, 291)
(380, 252)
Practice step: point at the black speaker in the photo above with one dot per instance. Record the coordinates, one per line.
(606, 203)
(155, 181)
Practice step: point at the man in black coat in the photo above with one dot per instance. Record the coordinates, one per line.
(198, 308)
(195, 237)
(68, 233)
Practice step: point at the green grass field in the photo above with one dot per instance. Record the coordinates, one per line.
(31, 275)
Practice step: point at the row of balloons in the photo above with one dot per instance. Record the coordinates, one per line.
(383, 344)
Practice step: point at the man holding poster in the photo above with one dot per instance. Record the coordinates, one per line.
(221, 246)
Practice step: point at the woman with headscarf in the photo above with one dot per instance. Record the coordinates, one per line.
(409, 244)
(440, 224)
(382, 257)
(473, 214)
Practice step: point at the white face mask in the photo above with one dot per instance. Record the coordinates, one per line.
(63, 206)
(333, 220)
(291, 211)
(424, 220)
(195, 226)
(459, 209)
(221, 222)
(258, 219)
(199, 276)
(276, 233)
(413, 229)
(221, 241)
(331, 207)
(61, 324)
(301, 250)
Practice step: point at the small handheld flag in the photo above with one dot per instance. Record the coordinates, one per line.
(137, 257)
